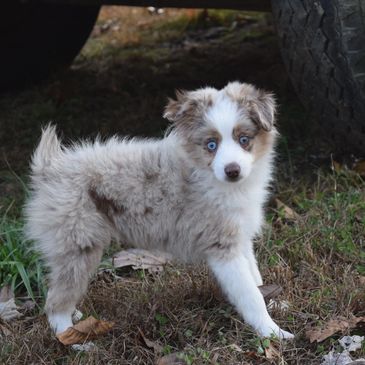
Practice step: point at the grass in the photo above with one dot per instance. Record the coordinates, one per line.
(20, 267)
(119, 84)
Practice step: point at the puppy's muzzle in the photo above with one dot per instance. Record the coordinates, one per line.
(232, 172)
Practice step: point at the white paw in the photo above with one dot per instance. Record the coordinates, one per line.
(284, 335)
(274, 330)
(60, 321)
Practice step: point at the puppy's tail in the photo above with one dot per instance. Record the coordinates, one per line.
(49, 148)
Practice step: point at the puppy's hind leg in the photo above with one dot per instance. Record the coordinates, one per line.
(68, 279)
(237, 282)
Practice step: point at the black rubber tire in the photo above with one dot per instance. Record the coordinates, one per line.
(37, 39)
(323, 47)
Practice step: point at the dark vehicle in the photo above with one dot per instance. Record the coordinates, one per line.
(322, 44)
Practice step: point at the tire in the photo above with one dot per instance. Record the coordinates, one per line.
(37, 39)
(323, 47)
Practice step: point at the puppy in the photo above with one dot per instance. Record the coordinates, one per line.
(198, 193)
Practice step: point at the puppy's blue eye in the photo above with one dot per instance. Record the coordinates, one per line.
(244, 140)
(212, 145)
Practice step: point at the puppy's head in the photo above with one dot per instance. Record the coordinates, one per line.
(225, 130)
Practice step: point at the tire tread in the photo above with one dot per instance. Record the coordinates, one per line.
(323, 47)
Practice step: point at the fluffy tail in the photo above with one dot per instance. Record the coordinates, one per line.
(49, 148)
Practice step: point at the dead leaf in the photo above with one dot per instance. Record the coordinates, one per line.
(335, 358)
(141, 259)
(28, 306)
(8, 308)
(359, 167)
(235, 347)
(336, 166)
(270, 291)
(85, 330)
(333, 326)
(4, 330)
(151, 344)
(362, 280)
(215, 358)
(171, 359)
(289, 213)
(85, 347)
(6, 293)
(252, 355)
(272, 353)
(351, 343)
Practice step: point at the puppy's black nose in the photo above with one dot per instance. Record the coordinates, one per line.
(232, 170)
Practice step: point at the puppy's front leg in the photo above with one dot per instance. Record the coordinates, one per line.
(234, 275)
(249, 253)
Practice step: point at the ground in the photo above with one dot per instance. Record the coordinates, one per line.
(119, 84)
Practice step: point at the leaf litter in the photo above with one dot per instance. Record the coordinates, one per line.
(288, 213)
(8, 307)
(157, 348)
(349, 344)
(171, 359)
(333, 326)
(270, 291)
(85, 330)
(152, 261)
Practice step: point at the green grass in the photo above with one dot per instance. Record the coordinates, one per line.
(20, 267)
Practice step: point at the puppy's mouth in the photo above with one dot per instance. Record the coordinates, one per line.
(234, 179)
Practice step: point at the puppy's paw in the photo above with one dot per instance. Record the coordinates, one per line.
(274, 330)
(284, 335)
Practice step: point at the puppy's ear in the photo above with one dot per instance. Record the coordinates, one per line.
(262, 110)
(177, 109)
(258, 103)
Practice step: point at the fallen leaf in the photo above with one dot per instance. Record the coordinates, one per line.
(6, 294)
(289, 213)
(9, 310)
(28, 306)
(333, 326)
(4, 330)
(272, 353)
(141, 259)
(336, 166)
(85, 347)
(171, 359)
(359, 167)
(151, 344)
(235, 347)
(351, 343)
(252, 355)
(215, 358)
(85, 330)
(334, 358)
(270, 291)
